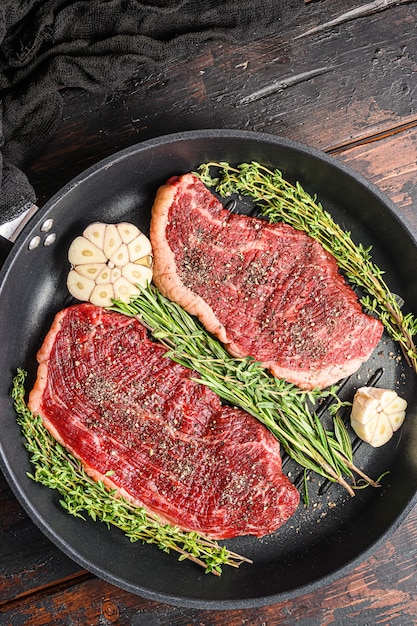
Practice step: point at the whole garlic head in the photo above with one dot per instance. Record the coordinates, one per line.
(107, 262)
(377, 414)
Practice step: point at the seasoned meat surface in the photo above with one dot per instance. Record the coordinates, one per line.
(112, 397)
(264, 290)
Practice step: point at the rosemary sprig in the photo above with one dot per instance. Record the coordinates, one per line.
(279, 200)
(57, 469)
(279, 405)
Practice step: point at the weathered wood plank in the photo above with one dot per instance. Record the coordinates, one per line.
(390, 163)
(326, 89)
(380, 590)
(29, 561)
(11, 512)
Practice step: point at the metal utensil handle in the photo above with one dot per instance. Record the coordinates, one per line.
(10, 231)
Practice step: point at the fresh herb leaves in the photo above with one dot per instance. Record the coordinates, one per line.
(57, 469)
(279, 405)
(279, 200)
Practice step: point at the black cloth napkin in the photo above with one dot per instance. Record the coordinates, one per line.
(97, 45)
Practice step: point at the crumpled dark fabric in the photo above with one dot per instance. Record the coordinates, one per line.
(46, 45)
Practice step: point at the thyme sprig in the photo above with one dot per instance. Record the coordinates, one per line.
(279, 200)
(280, 406)
(57, 469)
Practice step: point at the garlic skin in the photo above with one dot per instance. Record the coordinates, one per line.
(108, 261)
(376, 414)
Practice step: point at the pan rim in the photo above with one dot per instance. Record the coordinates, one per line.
(38, 218)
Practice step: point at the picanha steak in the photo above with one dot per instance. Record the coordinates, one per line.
(264, 290)
(111, 397)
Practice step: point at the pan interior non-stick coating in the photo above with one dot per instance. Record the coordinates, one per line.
(319, 541)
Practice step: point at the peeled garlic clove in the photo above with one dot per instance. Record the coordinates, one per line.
(128, 232)
(83, 251)
(386, 397)
(95, 233)
(364, 407)
(102, 295)
(396, 420)
(80, 286)
(90, 270)
(397, 405)
(137, 274)
(382, 433)
(138, 248)
(115, 274)
(104, 277)
(377, 414)
(124, 289)
(121, 256)
(366, 432)
(112, 240)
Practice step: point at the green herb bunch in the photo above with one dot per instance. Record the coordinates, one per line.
(279, 200)
(279, 405)
(57, 469)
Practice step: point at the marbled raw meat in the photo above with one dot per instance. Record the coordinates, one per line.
(111, 397)
(264, 290)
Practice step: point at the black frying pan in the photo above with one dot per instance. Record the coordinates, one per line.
(336, 531)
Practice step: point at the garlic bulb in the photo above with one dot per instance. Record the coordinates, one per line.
(107, 262)
(377, 414)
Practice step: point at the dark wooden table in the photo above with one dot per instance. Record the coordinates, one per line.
(343, 78)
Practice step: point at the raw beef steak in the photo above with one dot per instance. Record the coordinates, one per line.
(111, 397)
(264, 290)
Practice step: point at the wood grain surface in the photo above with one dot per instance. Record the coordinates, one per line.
(341, 79)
